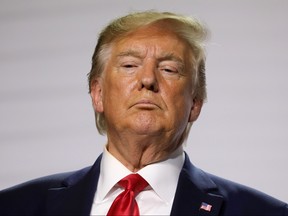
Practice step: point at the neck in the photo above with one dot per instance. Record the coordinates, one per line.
(138, 151)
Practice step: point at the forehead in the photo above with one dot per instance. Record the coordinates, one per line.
(153, 41)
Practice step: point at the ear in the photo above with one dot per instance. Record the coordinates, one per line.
(96, 95)
(195, 110)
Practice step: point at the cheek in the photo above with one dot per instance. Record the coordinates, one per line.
(117, 91)
(180, 97)
(179, 89)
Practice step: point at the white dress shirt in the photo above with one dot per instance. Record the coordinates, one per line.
(155, 199)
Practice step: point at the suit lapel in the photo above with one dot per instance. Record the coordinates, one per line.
(76, 195)
(195, 193)
(195, 188)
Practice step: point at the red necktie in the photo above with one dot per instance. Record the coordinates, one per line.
(125, 203)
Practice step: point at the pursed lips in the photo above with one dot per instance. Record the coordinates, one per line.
(146, 103)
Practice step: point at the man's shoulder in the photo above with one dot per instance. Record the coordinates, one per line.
(38, 183)
(246, 199)
(237, 199)
(44, 183)
(34, 192)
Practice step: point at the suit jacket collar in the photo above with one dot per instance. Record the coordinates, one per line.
(195, 189)
(76, 194)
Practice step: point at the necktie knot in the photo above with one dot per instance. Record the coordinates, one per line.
(133, 182)
(125, 203)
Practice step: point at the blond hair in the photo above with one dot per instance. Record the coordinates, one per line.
(187, 28)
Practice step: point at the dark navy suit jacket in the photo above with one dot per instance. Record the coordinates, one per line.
(73, 193)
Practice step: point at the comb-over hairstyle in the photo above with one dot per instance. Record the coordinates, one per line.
(187, 28)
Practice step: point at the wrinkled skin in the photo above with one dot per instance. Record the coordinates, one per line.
(145, 94)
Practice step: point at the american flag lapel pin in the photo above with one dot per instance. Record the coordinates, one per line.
(205, 206)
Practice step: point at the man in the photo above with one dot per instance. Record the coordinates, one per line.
(147, 85)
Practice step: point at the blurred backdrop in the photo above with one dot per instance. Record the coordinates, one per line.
(46, 117)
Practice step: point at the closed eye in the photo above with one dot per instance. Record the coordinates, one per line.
(169, 70)
(129, 65)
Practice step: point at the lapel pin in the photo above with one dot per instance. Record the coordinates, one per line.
(205, 206)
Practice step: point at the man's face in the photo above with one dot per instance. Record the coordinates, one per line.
(146, 87)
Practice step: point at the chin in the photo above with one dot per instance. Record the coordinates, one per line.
(146, 124)
(145, 129)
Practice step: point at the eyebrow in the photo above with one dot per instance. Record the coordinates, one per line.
(172, 57)
(133, 53)
(163, 57)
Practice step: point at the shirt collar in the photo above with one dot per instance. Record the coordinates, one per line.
(112, 171)
(161, 176)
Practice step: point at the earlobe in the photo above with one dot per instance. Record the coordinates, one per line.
(195, 110)
(96, 95)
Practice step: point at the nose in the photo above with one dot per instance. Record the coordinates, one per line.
(148, 78)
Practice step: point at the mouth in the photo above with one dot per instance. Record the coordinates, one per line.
(146, 104)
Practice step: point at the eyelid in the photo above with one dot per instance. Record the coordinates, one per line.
(174, 65)
(170, 68)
